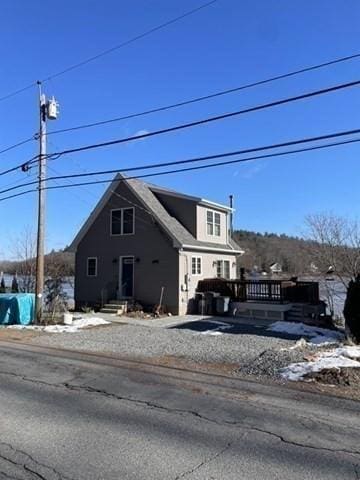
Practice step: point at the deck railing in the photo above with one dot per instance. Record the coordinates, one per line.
(273, 291)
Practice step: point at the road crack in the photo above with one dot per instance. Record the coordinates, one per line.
(204, 462)
(24, 461)
(194, 413)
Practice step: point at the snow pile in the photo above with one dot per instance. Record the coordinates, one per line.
(221, 326)
(341, 357)
(75, 326)
(316, 335)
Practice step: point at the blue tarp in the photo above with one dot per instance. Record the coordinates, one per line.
(17, 308)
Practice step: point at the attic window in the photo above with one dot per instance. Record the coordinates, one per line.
(123, 221)
(213, 223)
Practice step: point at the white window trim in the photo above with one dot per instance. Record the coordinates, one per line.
(210, 223)
(222, 268)
(121, 234)
(87, 266)
(196, 258)
(217, 224)
(213, 213)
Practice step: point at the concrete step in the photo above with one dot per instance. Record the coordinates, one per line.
(114, 306)
(110, 310)
(119, 302)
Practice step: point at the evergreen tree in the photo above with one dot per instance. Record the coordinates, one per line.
(14, 285)
(352, 311)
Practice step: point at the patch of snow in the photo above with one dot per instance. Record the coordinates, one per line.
(316, 335)
(352, 352)
(217, 331)
(75, 326)
(297, 371)
(217, 322)
(211, 332)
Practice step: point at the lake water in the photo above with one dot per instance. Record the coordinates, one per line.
(68, 285)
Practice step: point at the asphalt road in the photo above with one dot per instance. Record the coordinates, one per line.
(77, 416)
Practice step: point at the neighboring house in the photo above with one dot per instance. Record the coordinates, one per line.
(141, 237)
(275, 268)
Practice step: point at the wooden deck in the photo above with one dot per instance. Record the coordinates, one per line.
(269, 291)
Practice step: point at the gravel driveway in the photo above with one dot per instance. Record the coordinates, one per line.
(253, 353)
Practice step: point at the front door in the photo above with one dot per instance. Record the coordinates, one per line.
(126, 277)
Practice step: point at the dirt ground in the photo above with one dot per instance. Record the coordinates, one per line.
(13, 334)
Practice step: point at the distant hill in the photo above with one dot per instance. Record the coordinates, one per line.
(64, 261)
(263, 249)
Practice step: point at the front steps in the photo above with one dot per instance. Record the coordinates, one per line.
(115, 307)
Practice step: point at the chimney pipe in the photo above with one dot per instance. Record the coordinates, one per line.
(231, 214)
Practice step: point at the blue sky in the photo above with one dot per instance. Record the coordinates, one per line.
(225, 45)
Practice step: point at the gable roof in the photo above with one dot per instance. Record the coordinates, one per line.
(180, 236)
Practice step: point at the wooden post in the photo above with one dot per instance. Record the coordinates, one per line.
(39, 288)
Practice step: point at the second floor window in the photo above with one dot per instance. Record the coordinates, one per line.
(123, 221)
(213, 223)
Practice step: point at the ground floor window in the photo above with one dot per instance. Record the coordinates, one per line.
(91, 268)
(223, 269)
(196, 266)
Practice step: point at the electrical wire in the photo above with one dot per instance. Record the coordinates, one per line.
(210, 157)
(17, 167)
(200, 159)
(190, 101)
(110, 50)
(188, 169)
(284, 101)
(211, 119)
(205, 97)
(23, 142)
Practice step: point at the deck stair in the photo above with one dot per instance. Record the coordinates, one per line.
(296, 314)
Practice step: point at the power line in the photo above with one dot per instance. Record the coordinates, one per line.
(212, 119)
(185, 102)
(110, 50)
(19, 180)
(11, 147)
(206, 97)
(189, 125)
(188, 169)
(198, 159)
(24, 164)
(203, 158)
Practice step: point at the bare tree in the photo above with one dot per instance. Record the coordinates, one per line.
(335, 250)
(24, 251)
(335, 245)
(55, 295)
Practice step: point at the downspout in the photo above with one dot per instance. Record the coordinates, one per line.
(184, 293)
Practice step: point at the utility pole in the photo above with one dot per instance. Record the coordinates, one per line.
(47, 110)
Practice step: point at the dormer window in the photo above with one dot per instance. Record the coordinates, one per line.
(213, 223)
